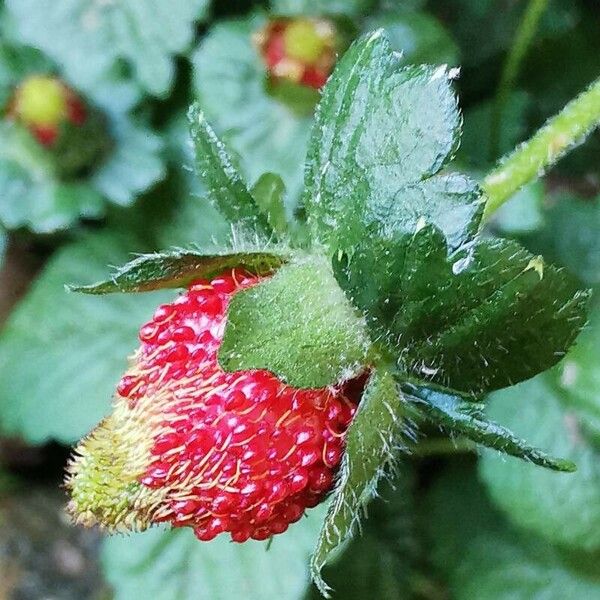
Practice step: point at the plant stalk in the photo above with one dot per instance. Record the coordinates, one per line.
(532, 158)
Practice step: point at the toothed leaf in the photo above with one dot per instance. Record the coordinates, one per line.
(379, 429)
(178, 268)
(459, 416)
(482, 319)
(226, 189)
(269, 194)
(89, 38)
(362, 181)
(298, 325)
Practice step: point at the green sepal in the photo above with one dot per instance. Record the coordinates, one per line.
(380, 429)
(178, 268)
(460, 416)
(298, 325)
(226, 189)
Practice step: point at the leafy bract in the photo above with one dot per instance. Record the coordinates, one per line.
(178, 268)
(487, 317)
(61, 355)
(299, 325)
(173, 565)
(562, 508)
(382, 133)
(145, 34)
(225, 187)
(463, 417)
(379, 430)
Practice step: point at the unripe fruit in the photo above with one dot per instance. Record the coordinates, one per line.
(300, 50)
(43, 103)
(192, 445)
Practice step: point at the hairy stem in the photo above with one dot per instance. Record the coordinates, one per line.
(523, 39)
(529, 161)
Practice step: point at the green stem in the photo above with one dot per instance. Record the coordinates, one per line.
(560, 133)
(524, 36)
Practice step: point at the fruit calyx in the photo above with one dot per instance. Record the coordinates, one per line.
(299, 50)
(192, 445)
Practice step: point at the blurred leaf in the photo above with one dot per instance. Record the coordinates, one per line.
(226, 189)
(61, 354)
(459, 416)
(360, 184)
(230, 84)
(579, 377)
(318, 8)
(86, 38)
(571, 237)
(485, 27)
(299, 325)
(178, 268)
(522, 214)
(35, 196)
(483, 557)
(419, 36)
(174, 565)
(269, 195)
(485, 318)
(563, 508)
(379, 430)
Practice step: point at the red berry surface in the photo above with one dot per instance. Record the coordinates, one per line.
(240, 452)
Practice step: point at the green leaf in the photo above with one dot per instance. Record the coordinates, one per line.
(351, 8)
(379, 430)
(361, 182)
(226, 189)
(61, 355)
(146, 35)
(459, 416)
(522, 214)
(299, 325)
(563, 508)
(483, 557)
(174, 565)
(269, 194)
(485, 318)
(178, 268)
(230, 84)
(419, 36)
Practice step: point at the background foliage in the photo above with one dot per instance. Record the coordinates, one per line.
(455, 524)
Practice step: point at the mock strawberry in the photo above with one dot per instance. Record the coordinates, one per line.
(192, 445)
(300, 50)
(43, 103)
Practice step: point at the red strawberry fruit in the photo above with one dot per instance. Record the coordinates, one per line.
(192, 445)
